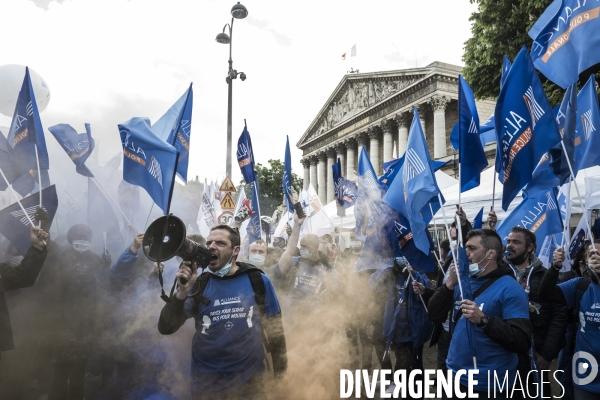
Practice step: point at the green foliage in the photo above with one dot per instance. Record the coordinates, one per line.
(499, 28)
(269, 182)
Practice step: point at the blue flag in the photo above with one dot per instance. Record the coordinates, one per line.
(26, 130)
(9, 165)
(566, 38)
(15, 226)
(418, 185)
(566, 121)
(587, 139)
(539, 214)
(338, 182)
(487, 133)
(286, 182)
(253, 228)
(525, 127)
(401, 236)
(245, 156)
(175, 128)
(478, 221)
(148, 161)
(369, 194)
(505, 68)
(100, 215)
(78, 146)
(472, 157)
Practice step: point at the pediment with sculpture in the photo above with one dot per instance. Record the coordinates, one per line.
(356, 96)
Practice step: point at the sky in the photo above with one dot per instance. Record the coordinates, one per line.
(107, 61)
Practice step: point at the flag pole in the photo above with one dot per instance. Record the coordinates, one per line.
(148, 218)
(420, 296)
(113, 200)
(19, 201)
(437, 238)
(37, 159)
(494, 183)
(582, 202)
(453, 251)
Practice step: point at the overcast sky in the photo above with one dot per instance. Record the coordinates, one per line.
(106, 61)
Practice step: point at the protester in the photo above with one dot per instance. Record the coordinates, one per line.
(405, 322)
(232, 303)
(258, 253)
(501, 329)
(20, 275)
(583, 294)
(548, 320)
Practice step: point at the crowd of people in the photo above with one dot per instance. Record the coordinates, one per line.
(280, 320)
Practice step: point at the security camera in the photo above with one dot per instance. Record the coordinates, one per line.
(242, 76)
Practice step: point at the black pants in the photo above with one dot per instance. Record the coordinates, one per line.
(253, 389)
(409, 358)
(443, 345)
(67, 380)
(358, 338)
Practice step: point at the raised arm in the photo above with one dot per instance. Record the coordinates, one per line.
(286, 258)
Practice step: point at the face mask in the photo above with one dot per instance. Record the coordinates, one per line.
(224, 270)
(305, 253)
(355, 244)
(474, 270)
(257, 260)
(81, 246)
(453, 244)
(518, 260)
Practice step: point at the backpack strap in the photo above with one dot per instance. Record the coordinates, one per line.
(580, 289)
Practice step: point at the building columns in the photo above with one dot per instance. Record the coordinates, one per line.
(330, 186)
(350, 157)
(439, 103)
(322, 187)
(388, 142)
(306, 164)
(313, 172)
(374, 149)
(340, 148)
(402, 119)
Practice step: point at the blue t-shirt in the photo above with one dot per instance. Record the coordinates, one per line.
(588, 332)
(505, 299)
(227, 348)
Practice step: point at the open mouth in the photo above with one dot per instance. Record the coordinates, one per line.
(214, 257)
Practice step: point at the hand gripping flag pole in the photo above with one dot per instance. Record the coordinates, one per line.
(453, 251)
(19, 201)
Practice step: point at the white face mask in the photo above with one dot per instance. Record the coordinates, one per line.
(355, 244)
(81, 245)
(453, 244)
(305, 253)
(474, 270)
(257, 260)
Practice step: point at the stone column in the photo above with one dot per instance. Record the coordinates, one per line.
(388, 142)
(322, 167)
(314, 180)
(374, 149)
(403, 121)
(340, 148)
(306, 164)
(330, 186)
(439, 103)
(422, 110)
(350, 158)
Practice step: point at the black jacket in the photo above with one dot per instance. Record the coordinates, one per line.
(513, 334)
(548, 320)
(12, 278)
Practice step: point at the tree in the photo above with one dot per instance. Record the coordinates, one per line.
(269, 183)
(499, 28)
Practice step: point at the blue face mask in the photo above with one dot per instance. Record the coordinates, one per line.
(223, 270)
(305, 253)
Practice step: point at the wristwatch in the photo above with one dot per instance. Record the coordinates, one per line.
(484, 321)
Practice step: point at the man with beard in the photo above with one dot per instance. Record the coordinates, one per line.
(583, 294)
(232, 304)
(72, 289)
(549, 321)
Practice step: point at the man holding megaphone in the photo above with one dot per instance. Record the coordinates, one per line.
(232, 303)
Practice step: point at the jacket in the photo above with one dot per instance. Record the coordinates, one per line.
(548, 320)
(12, 278)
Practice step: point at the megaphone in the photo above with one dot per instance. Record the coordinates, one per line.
(166, 238)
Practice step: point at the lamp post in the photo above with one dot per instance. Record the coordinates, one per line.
(238, 11)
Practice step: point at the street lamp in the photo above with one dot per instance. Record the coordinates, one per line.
(238, 11)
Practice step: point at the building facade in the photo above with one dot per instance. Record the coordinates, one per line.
(375, 110)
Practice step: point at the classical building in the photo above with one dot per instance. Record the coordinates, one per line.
(375, 110)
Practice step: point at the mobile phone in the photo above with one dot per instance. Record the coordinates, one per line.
(299, 210)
